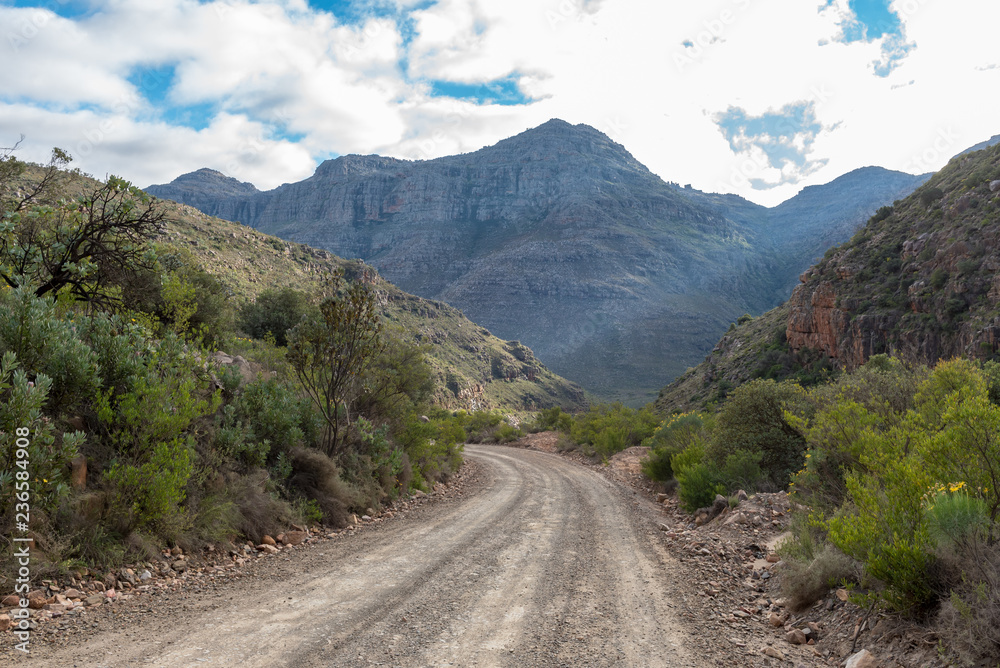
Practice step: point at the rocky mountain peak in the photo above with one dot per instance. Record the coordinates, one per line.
(354, 165)
(557, 140)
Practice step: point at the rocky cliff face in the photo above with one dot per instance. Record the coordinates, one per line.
(557, 237)
(921, 281)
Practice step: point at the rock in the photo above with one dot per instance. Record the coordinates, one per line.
(995, 186)
(54, 607)
(773, 558)
(176, 551)
(96, 599)
(862, 659)
(424, 418)
(796, 637)
(267, 540)
(110, 593)
(741, 496)
(774, 653)
(36, 599)
(270, 549)
(777, 620)
(127, 575)
(180, 565)
(660, 498)
(4, 622)
(735, 518)
(843, 594)
(664, 527)
(366, 518)
(73, 593)
(419, 494)
(145, 575)
(11, 601)
(78, 472)
(295, 537)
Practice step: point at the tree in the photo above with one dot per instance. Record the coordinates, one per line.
(331, 352)
(88, 246)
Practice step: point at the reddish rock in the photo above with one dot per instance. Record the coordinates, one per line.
(36, 599)
(295, 537)
(796, 637)
(267, 540)
(11, 601)
(78, 472)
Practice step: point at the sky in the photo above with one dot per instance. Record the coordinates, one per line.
(754, 97)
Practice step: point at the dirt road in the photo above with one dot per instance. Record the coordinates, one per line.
(545, 563)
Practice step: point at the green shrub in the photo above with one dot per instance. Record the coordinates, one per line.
(752, 420)
(609, 428)
(672, 436)
(955, 518)
(46, 455)
(147, 495)
(507, 433)
(698, 483)
(552, 419)
(45, 343)
(275, 312)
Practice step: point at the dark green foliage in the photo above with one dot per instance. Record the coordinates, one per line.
(882, 213)
(552, 419)
(89, 247)
(752, 420)
(609, 428)
(275, 312)
(672, 436)
(332, 352)
(930, 195)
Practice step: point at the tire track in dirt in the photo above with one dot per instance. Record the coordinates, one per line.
(548, 564)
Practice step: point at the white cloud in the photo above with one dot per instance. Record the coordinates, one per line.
(278, 69)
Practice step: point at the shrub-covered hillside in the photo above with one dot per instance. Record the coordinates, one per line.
(140, 432)
(921, 280)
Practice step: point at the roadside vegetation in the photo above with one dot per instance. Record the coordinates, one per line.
(894, 470)
(142, 434)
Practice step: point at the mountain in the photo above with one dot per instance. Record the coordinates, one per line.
(472, 368)
(920, 281)
(559, 237)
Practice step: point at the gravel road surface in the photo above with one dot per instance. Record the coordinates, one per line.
(540, 563)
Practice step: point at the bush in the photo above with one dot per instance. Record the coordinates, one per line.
(47, 455)
(45, 343)
(671, 437)
(552, 419)
(609, 428)
(970, 615)
(698, 484)
(275, 312)
(805, 582)
(752, 420)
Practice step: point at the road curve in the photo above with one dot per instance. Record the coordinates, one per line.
(547, 564)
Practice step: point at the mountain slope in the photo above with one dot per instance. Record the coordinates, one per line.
(921, 281)
(560, 238)
(472, 368)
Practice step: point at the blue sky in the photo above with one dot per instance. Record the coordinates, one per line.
(760, 99)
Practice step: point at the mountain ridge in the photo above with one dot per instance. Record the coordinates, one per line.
(557, 237)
